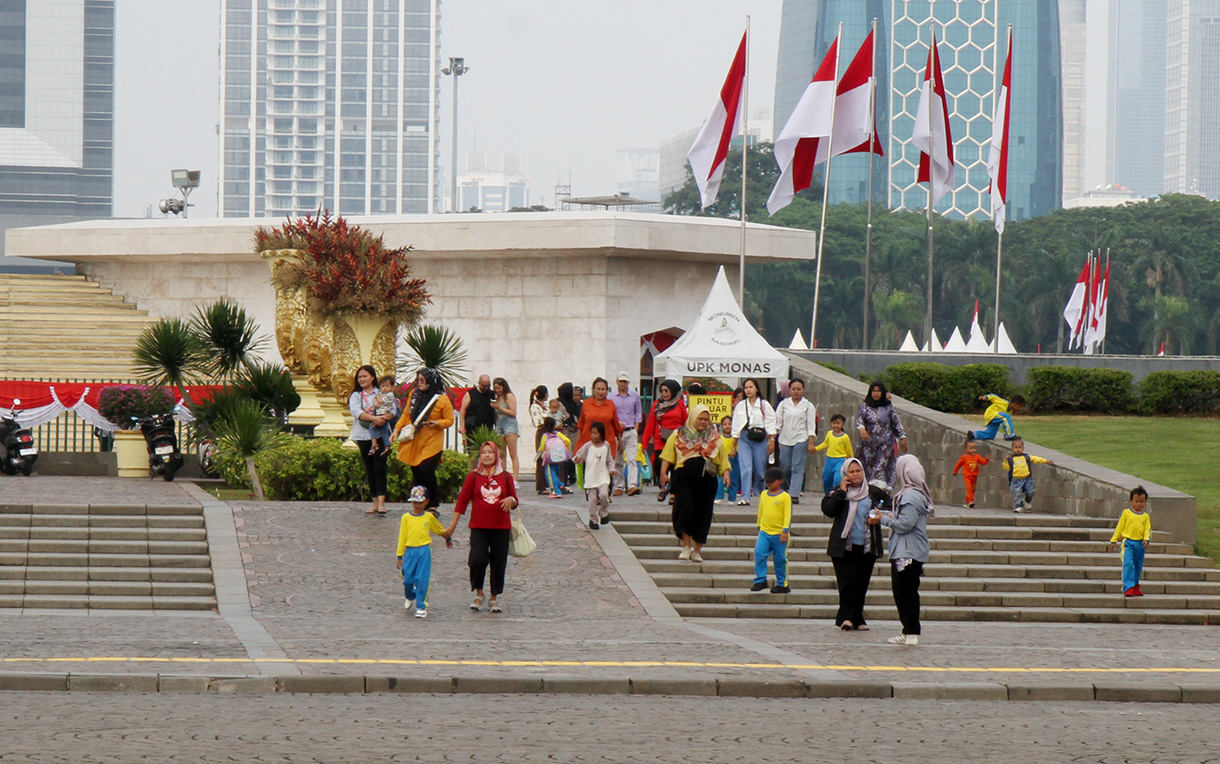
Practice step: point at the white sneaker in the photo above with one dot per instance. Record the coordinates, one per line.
(904, 639)
(684, 554)
(696, 557)
(1027, 505)
(1019, 509)
(421, 613)
(408, 604)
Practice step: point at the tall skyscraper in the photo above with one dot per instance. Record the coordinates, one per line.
(56, 111)
(971, 34)
(1135, 119)
(1192, 98)
(1073, 32)
(329, 104)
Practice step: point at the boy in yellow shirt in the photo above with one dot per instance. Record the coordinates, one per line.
(837, 446)
(1134, 528)
(415, 551)
(774, 522)
(1020, 478)
(998, 416)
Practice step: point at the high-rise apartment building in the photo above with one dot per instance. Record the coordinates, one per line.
(1192, 98)
(56, 111)
(493, 183)
(1135, 96)
(329, 104)
(1073, 32)
(972, 35)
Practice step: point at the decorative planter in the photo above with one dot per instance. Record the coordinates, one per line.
(291, 314)
(131, 453)
(360, 340)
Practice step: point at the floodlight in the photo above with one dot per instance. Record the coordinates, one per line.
(185, 178)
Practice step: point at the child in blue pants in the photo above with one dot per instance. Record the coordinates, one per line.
(415, 551)
(1134, 530)
(774, 522)
(730, 493)
(837, 446)
(998, 416)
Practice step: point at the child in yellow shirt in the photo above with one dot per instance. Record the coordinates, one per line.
(1020, 475)
(837, 446)
(774, 522)
(1134, 528)
(728, 493)
(415, 551)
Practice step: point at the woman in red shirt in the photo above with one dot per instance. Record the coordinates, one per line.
(597, 409)
(668, 413)
(491, 494)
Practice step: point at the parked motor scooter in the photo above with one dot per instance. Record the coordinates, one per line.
(17, 450)
(164, 458)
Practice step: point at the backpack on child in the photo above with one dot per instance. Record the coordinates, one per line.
(1029, 465)
(553, 449)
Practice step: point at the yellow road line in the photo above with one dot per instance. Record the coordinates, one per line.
(634, 664)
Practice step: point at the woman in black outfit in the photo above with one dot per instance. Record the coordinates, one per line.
(854, 545)
(360, 404)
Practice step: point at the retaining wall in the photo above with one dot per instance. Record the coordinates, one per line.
(1070, 486)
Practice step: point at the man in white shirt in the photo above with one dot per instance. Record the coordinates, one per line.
(798, 430)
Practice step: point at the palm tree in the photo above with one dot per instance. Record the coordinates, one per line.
(230, 334)
(435, 347)
(244, 431)
(170, 353)
(1163, 258)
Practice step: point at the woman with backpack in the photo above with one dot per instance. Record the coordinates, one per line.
(554, 450)
(667, 414)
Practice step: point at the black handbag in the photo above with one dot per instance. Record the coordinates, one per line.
(754, 432)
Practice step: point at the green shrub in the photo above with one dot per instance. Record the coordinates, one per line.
(975, 379)
(320, 469)
(947, 388)
(1066, 388)
(835, 367)
(1180, 392)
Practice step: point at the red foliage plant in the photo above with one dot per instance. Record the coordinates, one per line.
(346, 269)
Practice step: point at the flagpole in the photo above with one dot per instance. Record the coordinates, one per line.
(999, 244)
(817, 279)
(1105, 303)
(745, 139)
(931, 80)
(868, 230)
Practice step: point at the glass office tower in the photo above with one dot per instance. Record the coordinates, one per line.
(329, 104)
(972, 36)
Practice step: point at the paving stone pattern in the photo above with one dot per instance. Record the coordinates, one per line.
(187, 727)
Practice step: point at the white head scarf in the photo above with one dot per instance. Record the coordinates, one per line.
(854, 495)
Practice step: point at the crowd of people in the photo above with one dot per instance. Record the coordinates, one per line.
(607, 445)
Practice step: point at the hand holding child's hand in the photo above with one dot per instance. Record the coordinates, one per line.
(448, 543)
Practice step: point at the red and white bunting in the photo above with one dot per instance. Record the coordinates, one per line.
(799, 146)
(997, 160)
(1074, 312)
(711, 146)
(932, 135)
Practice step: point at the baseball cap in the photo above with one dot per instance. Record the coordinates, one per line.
(419, 493)
(623, 377)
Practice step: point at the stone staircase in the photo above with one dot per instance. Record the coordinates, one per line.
(985, 566)
(105, 557)
(65, 327)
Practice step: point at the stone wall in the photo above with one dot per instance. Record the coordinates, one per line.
(1070, 486)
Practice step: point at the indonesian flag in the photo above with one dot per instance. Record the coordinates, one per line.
(1074, 312)
(711, 146)
(855, 119)
(800, 145)
(932, 135)
(1095, 331)
(997, 160)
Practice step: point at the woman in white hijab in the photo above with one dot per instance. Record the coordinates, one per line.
(854, 545)
(908, 525)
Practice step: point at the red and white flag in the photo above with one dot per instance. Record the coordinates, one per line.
(932, 135)
(1074, 312)
(997, 160)
(855, 117)
(1095, 331)
(1162, 349)
(711, 146)
(799, 146)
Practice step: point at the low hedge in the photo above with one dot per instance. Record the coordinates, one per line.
(1180, 392)
(320, 469)
(947, 388)
(1067, 388)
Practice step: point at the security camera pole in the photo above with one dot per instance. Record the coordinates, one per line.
(457, 67)
(185, 181)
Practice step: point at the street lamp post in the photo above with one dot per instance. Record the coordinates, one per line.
(457, 67)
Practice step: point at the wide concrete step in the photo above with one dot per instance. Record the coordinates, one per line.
(821, 529)
(939, 613)
(94, 546)
(106, 602)
(126, 588)
(943, 569)
(993, 519)
(79, 560)
(101, 533)
(104, 573)
(50, 508)
(648, 544)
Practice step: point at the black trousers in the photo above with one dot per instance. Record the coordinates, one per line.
(853, 572)
(424, 474)
(906, 594)
(489, 546)
(374, 467)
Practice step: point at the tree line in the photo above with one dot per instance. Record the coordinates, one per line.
(1165, 269)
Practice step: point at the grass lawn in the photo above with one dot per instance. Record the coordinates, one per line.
(1175, 452)
(225, 493)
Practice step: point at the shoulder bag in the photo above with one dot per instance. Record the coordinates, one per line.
(521, 543)
(756, 433)
(407, 433)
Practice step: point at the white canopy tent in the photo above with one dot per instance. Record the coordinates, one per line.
(721, 343)
(798, 342)
(955, 344)
(908, 344)
(1005, 344)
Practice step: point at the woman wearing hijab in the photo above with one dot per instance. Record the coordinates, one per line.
(908, 525)
(492, 495)
(697, 456)
(879, 431)
(430, 409)
(854, 545)
(667, 415)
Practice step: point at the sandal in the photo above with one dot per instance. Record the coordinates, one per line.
(495, 607)
(846, 626)
(478, 603)
(371, 511)
(863, 627)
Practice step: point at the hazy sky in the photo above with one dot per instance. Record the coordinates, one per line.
(562, 84)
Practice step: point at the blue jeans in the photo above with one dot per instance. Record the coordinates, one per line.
(381, 433)
(416, 574)
(553, 481)
(1003, 420)
(830, 472)
(734, 488)
(770, 545)
(752, 456)
(1022, 490)
(792, 462)
(1133, 563)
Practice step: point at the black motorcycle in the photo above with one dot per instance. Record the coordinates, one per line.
(17, 450)
(164, 458)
